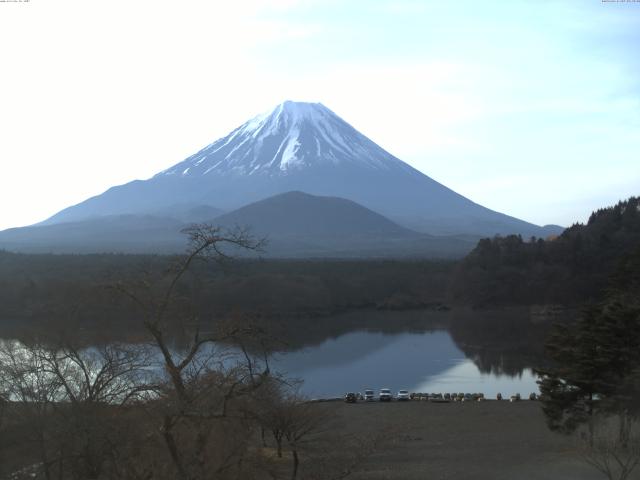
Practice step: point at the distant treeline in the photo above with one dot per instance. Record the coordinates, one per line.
(569, 269)
(72, 291)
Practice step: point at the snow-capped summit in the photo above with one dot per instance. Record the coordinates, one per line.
(294, 135)
(301, 147)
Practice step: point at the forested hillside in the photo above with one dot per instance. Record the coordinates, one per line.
(79, 290)
(571, 268)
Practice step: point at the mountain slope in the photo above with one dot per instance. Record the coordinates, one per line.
(303, 147)
(296, 225)
(301, 214)
(189, 212)
(112, 233)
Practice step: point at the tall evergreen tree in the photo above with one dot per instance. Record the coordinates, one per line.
(570, 389)
(597, 360)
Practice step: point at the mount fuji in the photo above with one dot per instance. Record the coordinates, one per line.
(302, 147)
(298, 174)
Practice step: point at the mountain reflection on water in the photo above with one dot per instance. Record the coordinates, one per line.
(419, 361)
(461, 349)
(458, 350)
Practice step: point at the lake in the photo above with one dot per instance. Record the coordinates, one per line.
(421, 351)
(426, 361)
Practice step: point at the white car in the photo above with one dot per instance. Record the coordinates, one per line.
(385, 395)
(403, 395)
(369, 396)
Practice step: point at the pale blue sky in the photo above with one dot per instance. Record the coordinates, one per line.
(531, 108)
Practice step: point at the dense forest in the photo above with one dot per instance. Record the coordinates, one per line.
(82, 291)
(569, 269)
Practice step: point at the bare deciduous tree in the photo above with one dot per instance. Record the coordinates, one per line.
(609, 452)
(33, 392)
(207, 393)
(68, 397)
(303, 423)
(4, 398)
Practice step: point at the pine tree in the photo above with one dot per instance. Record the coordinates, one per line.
(570, 389)
(597, 360)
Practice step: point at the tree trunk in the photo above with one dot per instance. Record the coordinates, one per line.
(624, 427)
(590, 420)
(296, 463)
(43, 454)
(171, 445)
(61, 463)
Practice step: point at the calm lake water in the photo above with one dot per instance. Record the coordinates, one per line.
(417, 361)
(418, 351)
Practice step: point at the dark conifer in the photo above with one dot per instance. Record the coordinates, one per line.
(597, 360)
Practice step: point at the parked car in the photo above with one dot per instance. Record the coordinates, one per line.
(385, 395)
(369, 396)
(351, 397)
(403, 395)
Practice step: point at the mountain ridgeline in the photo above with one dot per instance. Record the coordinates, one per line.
(296, 147)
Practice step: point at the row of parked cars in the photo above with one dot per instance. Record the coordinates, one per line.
(385, 395)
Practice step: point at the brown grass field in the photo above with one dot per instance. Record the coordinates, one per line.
(474, 440)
